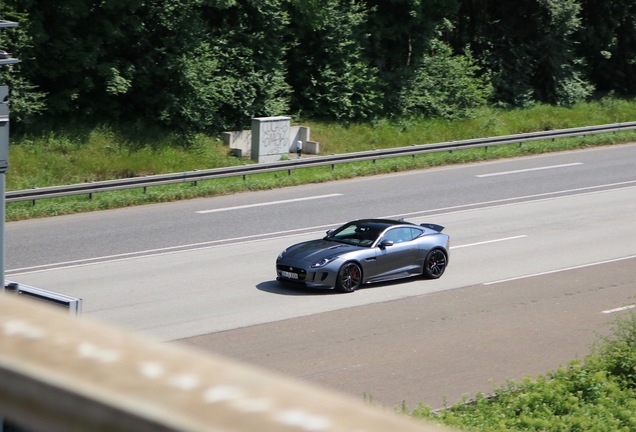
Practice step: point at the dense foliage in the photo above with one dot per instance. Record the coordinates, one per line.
(598, 394)
(211, 65)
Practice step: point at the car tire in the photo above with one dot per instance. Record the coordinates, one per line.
(349, 277)
(435, 264)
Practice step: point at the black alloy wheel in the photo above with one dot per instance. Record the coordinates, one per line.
(349, 278)
(435, 264)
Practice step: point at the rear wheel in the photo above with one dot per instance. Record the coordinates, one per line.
(349, 278)
(435, 264)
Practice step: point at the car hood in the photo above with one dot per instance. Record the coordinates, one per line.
(315, 250)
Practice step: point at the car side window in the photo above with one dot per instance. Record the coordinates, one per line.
(415, 233)
(398, 235)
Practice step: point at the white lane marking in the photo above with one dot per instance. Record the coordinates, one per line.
(127, 256)
(164, 251)
(187, 248)
(490, 241)
(530, 169)
(310, 230)
(620, 309)
(268, 203)
(590, 190)
(560, 270)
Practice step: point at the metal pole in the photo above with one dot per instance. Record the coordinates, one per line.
(4, 150)
(4, 156)
(2, 217)
(5, 59)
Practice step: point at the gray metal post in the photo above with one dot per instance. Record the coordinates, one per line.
(4, 157)
(2, 216)
(5, 59)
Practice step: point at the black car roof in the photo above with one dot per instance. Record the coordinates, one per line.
(385, 223)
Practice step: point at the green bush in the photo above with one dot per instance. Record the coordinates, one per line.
(598, 394)
(444, 85)
(617, 354)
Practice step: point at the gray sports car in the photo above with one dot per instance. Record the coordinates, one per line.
(365, 251)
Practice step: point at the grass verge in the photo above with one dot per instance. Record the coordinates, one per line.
(83, 154)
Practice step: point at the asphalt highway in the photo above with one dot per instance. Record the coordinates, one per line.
(541, 249)
(186, 224)
(443, 347)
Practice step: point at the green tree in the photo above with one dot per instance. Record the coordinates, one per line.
(400, 30)
(184, 64)
(328, 71)
(399, 35)
(444, 85)
(27, 100)
(72, 51)
(608, 41)
(529, 47)
(558, 77)
(239, 71)
(211, 65)
(196, 65)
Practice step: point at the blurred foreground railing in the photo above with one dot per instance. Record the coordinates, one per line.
(194, 176)
(59, 373)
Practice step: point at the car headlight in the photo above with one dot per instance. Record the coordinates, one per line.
(323, 262)
(282, 254)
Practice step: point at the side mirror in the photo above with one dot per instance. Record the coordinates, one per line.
(385, 243)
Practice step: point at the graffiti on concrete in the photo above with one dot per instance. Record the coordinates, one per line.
(275, 136)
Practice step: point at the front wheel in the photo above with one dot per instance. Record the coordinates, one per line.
(349, 278)
(435, 264)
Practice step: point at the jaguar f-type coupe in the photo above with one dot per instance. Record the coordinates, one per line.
(366, 251)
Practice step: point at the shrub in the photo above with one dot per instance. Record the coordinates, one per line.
(444, 85)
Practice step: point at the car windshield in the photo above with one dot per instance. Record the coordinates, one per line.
(358, 234)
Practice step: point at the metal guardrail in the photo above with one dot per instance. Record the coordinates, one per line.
(73, 305)
(244, 170)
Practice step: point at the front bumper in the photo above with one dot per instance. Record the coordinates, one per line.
(311, 278)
